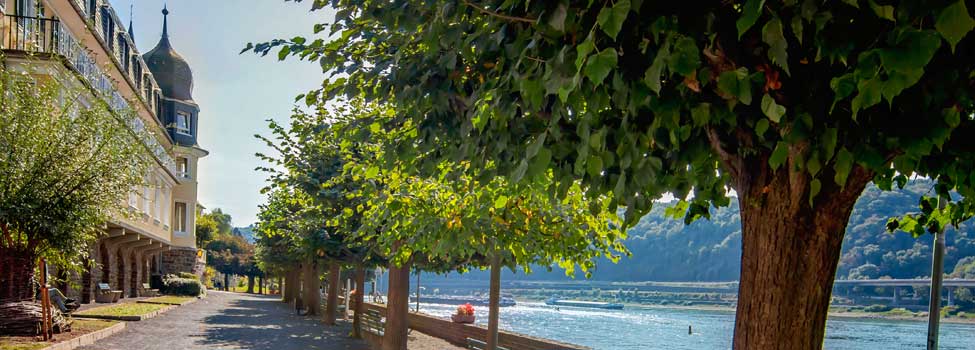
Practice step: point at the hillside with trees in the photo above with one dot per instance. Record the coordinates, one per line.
(665, 249)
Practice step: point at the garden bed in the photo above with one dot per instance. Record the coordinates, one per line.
(125, 312)
(168, 300)
(83, 332)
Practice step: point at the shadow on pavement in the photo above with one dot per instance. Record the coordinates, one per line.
(264, 322)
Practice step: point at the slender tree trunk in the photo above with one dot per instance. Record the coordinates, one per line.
(312, 298)
(495, 296)
(226, 282)
(360, 290)
(790, 251)
(250, 284)
(331, 305)
(397, 308)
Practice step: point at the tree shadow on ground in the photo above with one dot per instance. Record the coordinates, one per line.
(264, 322)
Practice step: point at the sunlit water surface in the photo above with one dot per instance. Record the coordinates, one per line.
(653, 328)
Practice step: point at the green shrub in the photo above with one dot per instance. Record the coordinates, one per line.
(877, 308)
(176, 285)
(188, 275)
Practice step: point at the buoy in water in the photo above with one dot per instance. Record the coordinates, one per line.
(690, 330)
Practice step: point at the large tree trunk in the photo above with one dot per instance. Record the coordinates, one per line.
(495, 296)
(312, 299)
(226, 282)
(360, 290)
(291, 286)
(16, 275)
(250, 284)
(790, 251)
(331, 305)
(397, 308)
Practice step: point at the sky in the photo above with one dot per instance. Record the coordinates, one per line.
(236, 93)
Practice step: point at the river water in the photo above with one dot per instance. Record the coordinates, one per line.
(658, 328)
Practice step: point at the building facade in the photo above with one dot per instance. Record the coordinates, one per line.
(86, 39)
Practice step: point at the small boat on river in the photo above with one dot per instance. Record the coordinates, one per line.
(586, 304)
(461, 300)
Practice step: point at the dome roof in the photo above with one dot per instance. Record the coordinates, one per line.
(171, 71)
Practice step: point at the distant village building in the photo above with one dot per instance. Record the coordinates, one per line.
(86, 37)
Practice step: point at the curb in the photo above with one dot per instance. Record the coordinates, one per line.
(130, 318)
(87, 339)
(163, 303)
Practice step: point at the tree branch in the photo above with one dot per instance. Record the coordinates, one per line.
(498, 15)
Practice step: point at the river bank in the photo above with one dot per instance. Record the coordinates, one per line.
(841, 312)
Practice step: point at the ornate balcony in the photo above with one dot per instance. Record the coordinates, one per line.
(49, 37)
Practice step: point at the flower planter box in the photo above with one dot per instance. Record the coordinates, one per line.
(462, 318)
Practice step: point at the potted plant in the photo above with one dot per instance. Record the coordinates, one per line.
(465, 314)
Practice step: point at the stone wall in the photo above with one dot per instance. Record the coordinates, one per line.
(458, 333)
(179, 260)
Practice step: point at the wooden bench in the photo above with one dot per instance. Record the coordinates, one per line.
(105, 294)
(475, 344)
(373, 322)
(148, 291)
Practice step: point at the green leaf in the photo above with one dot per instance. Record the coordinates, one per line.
(557, 20)
(582, 51)
(771, 109)
(914, 49)
(500, 202)
(541, 162)
(897, 81)
(952, 116)
(701, 114)
(814, 187)
(519, 171)
(600, 65)
(652, 75)
(749, 15)
(954, 23)
(285, 50)
(843, 86)
(779, 155)
(535, 146)
(843, 166)
(595, 166)
(620, 186)
(829, 143)
(372, 172)
(870, 93)
(611, 19)
(885, 11)
(686, 57)
(761, 126)
(772, 35)
(813, 165)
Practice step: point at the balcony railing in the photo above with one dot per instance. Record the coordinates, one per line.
(49, 36)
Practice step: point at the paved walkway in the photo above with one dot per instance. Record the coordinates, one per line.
(231, 321)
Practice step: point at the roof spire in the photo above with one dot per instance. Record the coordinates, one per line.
(165, 13)
(131, 14)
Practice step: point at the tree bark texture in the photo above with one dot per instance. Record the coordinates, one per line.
(397, 308)
(360, 289)
(331, 305)
(291, 286)
(17, 275)
(495, 299)
(790, 251)
(250, 284)
(311, 297)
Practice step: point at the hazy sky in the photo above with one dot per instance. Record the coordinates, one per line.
(236, 93)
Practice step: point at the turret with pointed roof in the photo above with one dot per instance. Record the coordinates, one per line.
(173, 74)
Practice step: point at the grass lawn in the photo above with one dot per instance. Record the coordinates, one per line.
(78, 328)
(168, 299)
(127, 309)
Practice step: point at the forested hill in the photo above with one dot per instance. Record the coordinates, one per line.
(709, 250)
